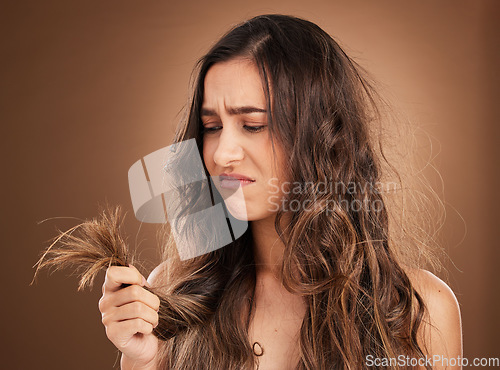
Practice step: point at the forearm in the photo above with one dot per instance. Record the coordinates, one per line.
(129, 364)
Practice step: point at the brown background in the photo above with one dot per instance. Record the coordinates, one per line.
(89, 87)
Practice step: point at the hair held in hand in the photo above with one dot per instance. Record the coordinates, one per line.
(97, 244)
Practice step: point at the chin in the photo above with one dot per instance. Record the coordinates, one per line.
(238, 211)
(238, 214)
(248, 214)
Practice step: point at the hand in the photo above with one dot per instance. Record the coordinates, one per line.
(129, 314)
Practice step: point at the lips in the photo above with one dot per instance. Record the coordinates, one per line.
(234, 180)
(234, 177)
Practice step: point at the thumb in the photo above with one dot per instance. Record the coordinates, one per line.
(142, 278)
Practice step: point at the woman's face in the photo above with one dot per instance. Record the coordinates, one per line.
(236, 140)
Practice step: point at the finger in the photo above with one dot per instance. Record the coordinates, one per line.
(118, 275)
(128, 328)
(145, 281)
(130, 311)
(132, 293)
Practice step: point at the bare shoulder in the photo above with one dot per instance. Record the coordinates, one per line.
(441, 329)
(158, 276)
(434, 290)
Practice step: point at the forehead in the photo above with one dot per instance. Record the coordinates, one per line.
(235, 82)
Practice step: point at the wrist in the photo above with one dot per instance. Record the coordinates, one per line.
(127, 363)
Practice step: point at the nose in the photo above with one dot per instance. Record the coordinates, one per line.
(229, 150)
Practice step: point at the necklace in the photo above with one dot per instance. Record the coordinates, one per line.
(258, 350)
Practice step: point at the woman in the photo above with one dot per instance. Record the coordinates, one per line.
(316, 282)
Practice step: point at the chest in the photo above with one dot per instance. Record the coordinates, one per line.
(275, 325)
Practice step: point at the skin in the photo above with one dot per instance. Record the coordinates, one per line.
(442, 332)
(240, 143)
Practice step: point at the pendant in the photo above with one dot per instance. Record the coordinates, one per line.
(259, 351)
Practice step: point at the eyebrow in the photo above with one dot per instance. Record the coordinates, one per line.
(234, 111)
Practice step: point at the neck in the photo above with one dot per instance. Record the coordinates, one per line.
(268, 247)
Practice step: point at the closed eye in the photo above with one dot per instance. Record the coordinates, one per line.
(251, 129)
(254, 129)
(210, 130)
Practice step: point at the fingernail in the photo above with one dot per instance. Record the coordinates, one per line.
(144, 282)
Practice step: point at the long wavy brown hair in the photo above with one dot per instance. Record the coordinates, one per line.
(344, 254)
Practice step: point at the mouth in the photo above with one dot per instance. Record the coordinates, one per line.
(233, 181)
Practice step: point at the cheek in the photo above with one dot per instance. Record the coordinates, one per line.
(275, 162)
